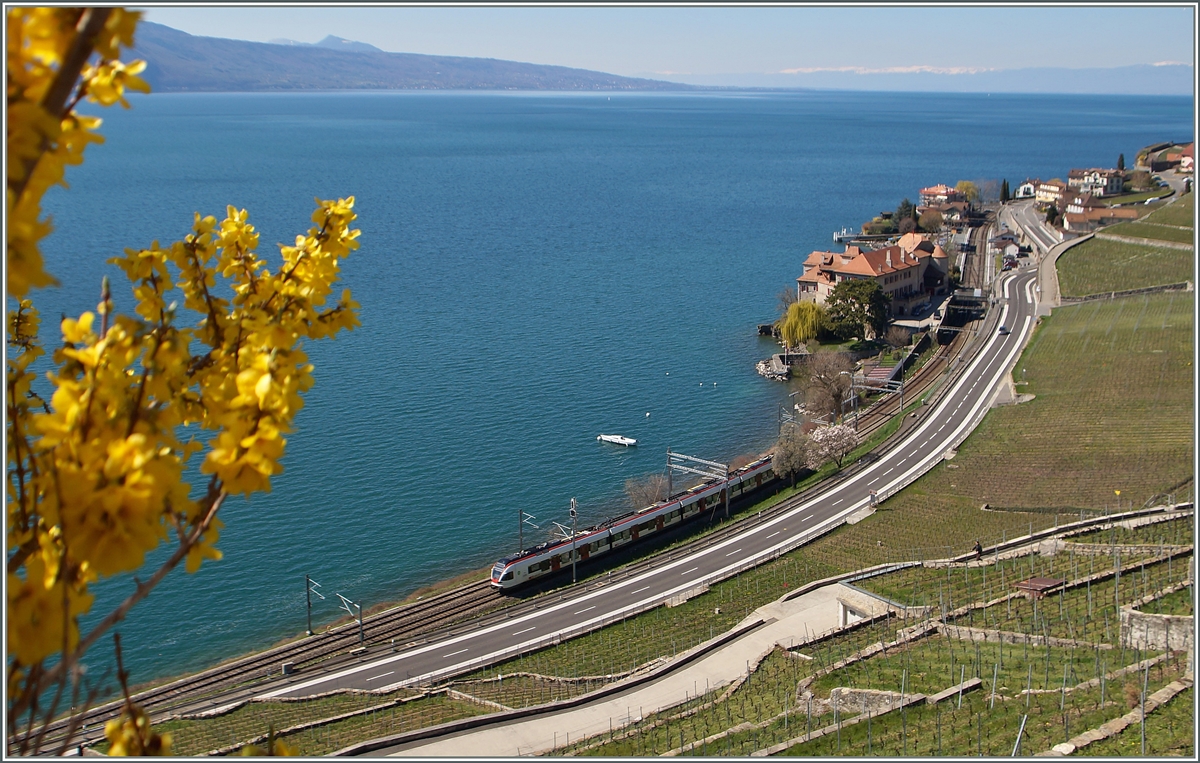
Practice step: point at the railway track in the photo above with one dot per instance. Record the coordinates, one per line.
(240, 678)
(441, 613)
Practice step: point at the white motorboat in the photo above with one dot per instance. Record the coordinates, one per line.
(616, 439)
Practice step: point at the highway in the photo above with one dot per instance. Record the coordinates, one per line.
(939, 428)
(1024, 217)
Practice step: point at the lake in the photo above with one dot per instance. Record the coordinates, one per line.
(536, 269)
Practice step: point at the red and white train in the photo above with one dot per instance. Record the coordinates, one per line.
(549, 557)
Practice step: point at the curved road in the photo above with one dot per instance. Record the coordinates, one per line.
(938, 431)
(1024, 217)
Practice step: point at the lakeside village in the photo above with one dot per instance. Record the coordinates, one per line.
(859, 318)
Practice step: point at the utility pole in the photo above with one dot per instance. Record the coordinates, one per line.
(310, 587)
(669, 471)
(346, 604)
(522, 520)
(574, 514)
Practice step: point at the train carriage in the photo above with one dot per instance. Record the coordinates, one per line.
(548, 558)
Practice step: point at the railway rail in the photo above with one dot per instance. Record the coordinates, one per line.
(445, 612)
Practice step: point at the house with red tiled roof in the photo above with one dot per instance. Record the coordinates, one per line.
(1050, 191)
(951, 211)
(939, 194)
(1096, 181)
(1085, 212)
(1187, 158)
(910, 272)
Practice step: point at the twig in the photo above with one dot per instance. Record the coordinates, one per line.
(142, 591)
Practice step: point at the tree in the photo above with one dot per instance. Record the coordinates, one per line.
(1141, 180)
(791, 452)
(802, 322)
(1121, 162)
(1051, 215)
(831, 444)
(647, 491)
(969, 190)
(931, 221)
(858, 304)
(1005, 195)
(95, 473)
(907, 225)
(785, 298)
(906, 211)
(897, 336)
(828, 380)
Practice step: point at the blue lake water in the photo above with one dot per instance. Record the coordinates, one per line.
(536, 269)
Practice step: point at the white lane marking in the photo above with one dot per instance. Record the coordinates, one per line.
(381, 675)
(731, 553)
(835, 503)
(641, 589)
(772, 535)
(889, 471)
(518, 633)
(580, 612)
(983, 360)
(872, 482)
(687, 571)
(460, 651)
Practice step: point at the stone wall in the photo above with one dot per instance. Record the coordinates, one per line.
(1141, 630)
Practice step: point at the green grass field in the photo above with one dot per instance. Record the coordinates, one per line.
(1182, 602)
(1156, 231)
(1179, 213)
(1113, 411)
(1133, 198)
(1167, 733)
(1098, 266)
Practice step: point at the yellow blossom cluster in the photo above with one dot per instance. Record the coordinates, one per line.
(215, 342)
(48, 74)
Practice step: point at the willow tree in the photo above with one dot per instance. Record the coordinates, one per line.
(214, 342)
(801, 323)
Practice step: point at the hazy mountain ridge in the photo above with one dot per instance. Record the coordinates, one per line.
(180, 62)
(1142, 79)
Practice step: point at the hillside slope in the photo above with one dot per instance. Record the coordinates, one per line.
(180, 62)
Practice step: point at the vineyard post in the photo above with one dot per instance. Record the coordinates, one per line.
(1017, 745)
(1145, 681)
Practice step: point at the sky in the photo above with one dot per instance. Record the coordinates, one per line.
(695, 40)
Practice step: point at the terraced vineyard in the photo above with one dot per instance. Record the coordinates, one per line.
(1152, 231)
(1077, 682)
(1100, 266)
(1180, 213)
(1113, 411)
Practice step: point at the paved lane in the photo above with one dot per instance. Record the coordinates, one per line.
(939, 430)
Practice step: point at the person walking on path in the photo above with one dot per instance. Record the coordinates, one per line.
(978, 550)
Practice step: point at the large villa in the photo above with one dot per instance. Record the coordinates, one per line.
(911, 272)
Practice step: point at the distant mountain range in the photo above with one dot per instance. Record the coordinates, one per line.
(1143, 79)
(180, 62)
